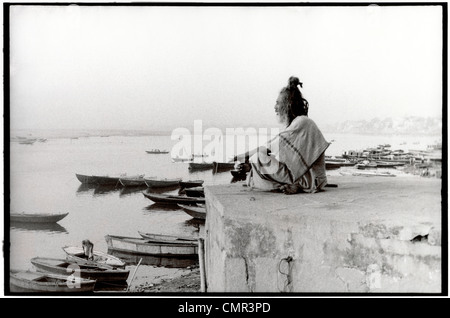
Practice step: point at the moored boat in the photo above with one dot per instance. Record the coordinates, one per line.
(196, 192)
(29, 281)
(195, 211)
(37, 217)
(191, 183)
(222, 166)
(161, 183)
(200, 165)
(76, 254)
(172, 199)
(99, 180)
(137, 245)
(62, 267)
(167, 238)
(137, 181)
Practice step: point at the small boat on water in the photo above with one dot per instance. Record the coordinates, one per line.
(222, 166)
(63, 267)
(76, 254)
(161, 183)
(180, 159)
(191, 183)
(167, 238)
(138, 181)
(196, 192)
(37, 217)
(29, 281)
(200, 165)
(172, 199)
(157, 151)
(195, 211)
(366, 165)
(138, 245)
(100, 180)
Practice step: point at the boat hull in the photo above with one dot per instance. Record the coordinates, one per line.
(101, 259)
(98, 180)
(146, 247)
(63, 267)
(36, 218)
(27, 281)
(167, 199)
(155, 183)
(195, 212)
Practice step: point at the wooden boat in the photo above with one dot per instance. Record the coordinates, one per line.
(138, 245)
(167, 238)
(37, 218)
(28, 281)
(157, 151)
(76, 254)
(191, 183)
(374, 174)
(222, 166)
(369, 165)
(161, 183)
(195, 211)
(61, 267)
(138, 181)
(156, 260)
(200, 165)
(99, 180)
(172, 199)
(196, 192)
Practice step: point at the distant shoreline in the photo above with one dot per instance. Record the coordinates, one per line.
(86, 133)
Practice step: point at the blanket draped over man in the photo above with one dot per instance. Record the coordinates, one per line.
(296, 155)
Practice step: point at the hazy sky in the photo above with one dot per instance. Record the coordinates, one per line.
(117, 67)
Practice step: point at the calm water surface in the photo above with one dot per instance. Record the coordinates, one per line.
(43, 180)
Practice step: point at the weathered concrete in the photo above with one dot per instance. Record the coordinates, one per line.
(371, 234)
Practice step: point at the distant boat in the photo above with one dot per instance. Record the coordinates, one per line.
(61, 267)
(160, 183)
(167, 238)
(27, 141)
(200, 165)
(172, 199)
(101, 259)
(137, 245)
(137, 181)
(37, 218)
(195, 211)
(28, 281)
(191, 183)
(374, 174)
(157, 151)
(180, 159)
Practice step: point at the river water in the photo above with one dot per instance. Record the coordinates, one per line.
(43, 180)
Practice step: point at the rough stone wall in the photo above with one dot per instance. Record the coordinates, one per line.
(297, 252)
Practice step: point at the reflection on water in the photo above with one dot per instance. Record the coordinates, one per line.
(162, 207)
(126, 191)
(86, 187)
(196, 223)
(105, 189)
(44, 227)
(170, 262)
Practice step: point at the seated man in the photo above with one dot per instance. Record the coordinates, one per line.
(294, 161)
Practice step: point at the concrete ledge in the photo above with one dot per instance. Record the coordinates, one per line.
(371, 234)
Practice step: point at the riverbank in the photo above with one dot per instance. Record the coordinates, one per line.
(187, 281)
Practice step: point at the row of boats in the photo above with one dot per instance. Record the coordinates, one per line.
(136, 181)
(78, 274)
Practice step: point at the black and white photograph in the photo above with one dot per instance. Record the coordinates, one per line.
(202, 149)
